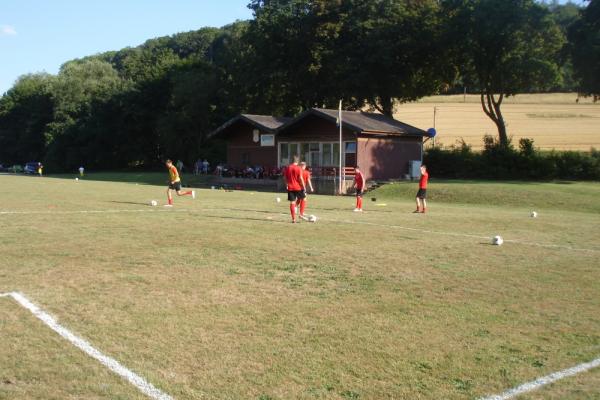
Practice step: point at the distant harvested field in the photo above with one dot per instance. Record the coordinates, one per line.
(553, 120)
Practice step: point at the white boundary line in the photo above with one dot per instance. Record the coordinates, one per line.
(545, 380)
(159, 210)
(154, 393)
(140, 383)
(514, 241)
(81, 212)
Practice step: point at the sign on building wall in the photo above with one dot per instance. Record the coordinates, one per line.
(267, 140)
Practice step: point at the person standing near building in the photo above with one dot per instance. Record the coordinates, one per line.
(40, 169)
(359, 186)
(421, 198)
(81, 171)
(175, 184)
(180, 166)
(205, 165)
(295, 185)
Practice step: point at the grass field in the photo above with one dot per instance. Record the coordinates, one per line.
(554, 120)
(222, 298)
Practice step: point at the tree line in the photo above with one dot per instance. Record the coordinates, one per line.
(136, 106)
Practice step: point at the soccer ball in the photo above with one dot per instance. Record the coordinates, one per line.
(497, 240)
(76, 179)
(154, 203)
(312, 218)
(278, 199)
(533, 214)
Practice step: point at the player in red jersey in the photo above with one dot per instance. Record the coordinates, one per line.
(175, 184)
(359, 186)
(306, 176)
(295, 185)
(422, 193)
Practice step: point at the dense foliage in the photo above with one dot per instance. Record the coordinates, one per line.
(584, 34)
(137, 106)
(506, 47)
(498, 161)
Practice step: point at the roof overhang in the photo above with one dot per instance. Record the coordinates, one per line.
(388, 133)
(346, 124)
(318, 113)
(242, 118)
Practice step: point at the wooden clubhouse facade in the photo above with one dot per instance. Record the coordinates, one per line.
(381, 146)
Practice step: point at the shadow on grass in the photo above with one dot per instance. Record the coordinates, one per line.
(139, 178)
(268, 220)
(135, 203)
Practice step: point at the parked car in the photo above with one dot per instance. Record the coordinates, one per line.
(31, 168)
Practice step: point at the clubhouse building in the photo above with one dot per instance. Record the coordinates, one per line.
(382, 147)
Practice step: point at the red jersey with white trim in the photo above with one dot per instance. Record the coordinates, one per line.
(359, 181)
(293, 174)
(423, 181)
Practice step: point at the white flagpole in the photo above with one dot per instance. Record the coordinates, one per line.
(341, 148)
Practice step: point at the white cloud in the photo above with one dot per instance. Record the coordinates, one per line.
(7, 30)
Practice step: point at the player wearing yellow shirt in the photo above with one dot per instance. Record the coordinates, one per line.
(175, 184)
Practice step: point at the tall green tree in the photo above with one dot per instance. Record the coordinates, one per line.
(313, 52)
(504, 47)
(584, 38)
(189, 114)
(388, 51)
(565, 15)
(280, 38)
(25, 111)
(77, 90)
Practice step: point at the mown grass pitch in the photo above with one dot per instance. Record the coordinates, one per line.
(223, 298)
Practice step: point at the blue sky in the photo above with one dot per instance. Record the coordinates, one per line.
(40, 35)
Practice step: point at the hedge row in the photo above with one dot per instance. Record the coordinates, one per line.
(498, 161)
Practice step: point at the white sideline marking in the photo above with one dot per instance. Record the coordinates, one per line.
(489, 238)
(143, 386)
(545, 380)
(159, 210)
(78, 212)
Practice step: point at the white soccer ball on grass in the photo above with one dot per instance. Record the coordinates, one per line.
(497, 240)
(534, 214)
(154, 203)
(312, 218)
(278, 199)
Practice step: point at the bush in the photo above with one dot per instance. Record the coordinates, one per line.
(498, 161)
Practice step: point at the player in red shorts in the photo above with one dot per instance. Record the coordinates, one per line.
(359, 186)
(422, 193)
(301, 203)
(295, 185)
(175, 184)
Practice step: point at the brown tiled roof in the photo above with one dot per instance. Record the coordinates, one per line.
(364, 122)
(361, 122)
(265, 122)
